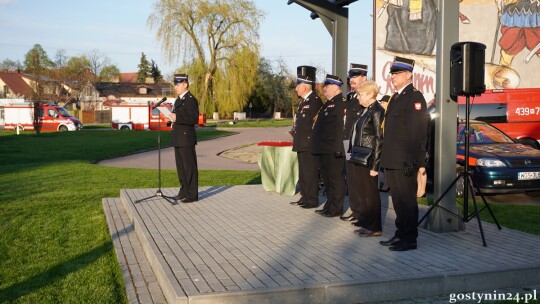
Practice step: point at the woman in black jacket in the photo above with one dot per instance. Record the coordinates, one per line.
(362, 181)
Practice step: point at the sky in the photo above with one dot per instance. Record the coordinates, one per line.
(118, 29)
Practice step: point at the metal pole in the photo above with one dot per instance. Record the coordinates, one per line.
(445, 121)
(336, 21)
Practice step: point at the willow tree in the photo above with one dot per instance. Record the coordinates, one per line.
(239, 74)
(207, 34)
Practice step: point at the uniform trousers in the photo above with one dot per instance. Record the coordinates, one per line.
(332, 174)
(188, 174)
(364, 198)
(308, 178)
(403, 191)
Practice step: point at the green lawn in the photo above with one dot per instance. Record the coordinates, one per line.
(54, 241)
(519, 217)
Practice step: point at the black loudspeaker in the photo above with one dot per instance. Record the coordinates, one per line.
(467, 60)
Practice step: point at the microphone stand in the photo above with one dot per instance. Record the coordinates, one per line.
(159, 193)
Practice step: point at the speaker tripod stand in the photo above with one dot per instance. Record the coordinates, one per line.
(159, 193)
(469, 185)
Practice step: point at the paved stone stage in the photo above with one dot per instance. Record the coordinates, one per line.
(240, 244)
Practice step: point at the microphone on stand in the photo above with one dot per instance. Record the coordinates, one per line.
(159, 102)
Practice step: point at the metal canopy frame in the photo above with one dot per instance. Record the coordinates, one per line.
(335, 17)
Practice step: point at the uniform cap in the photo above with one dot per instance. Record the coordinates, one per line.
(179, 78)
(305, 74)
(332, 79)
(356, 69)
(401, 64)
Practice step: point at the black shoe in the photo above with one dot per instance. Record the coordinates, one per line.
(306, 206)
(320, 211)
(328, 214)
(297, 202)
(367, 233)
(188, 200)
(403, 246)
(391, 242)
(349, 218)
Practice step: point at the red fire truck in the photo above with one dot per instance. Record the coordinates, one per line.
(128, 116)
(131, 116)
(516, 112)
(20, 117)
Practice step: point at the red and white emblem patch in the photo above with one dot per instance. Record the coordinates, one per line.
(417, 106)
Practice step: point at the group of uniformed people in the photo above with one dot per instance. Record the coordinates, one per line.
(396, 131)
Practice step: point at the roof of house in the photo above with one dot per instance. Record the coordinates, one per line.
(128, 77)
(120, 89)
(16, 84)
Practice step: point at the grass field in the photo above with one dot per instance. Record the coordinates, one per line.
(54, 241)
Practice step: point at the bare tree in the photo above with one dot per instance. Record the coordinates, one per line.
(97, 62)
(10, 65)
(206, 33)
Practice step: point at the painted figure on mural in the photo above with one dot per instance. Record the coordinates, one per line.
(519, 22)
(411, 27)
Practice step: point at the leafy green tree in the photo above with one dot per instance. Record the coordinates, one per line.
(78, 69)
(144, 69)
(274, 89)
(36, 60)
(109, 72)
(207, 34)
(156, 73)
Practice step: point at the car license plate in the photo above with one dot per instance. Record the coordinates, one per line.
(528, 175)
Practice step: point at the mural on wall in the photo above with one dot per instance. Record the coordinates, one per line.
(510, 29)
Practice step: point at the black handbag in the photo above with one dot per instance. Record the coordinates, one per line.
(360, 155)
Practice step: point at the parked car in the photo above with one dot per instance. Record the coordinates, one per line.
(516, 112)
(497, 163)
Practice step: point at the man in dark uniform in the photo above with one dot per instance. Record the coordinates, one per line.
(327, 145)
(403, 152)
(184, 117)
(353, 110)
(302, 132)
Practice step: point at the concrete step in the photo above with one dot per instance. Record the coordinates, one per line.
(141, 283)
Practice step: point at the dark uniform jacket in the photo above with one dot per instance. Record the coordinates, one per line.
(405, 130)
(328, 128)
(303, 125)
(187, 116)
(353, 110)
(367, 132)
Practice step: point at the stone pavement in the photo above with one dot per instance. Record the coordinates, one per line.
(240, 244)
(235, 152)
